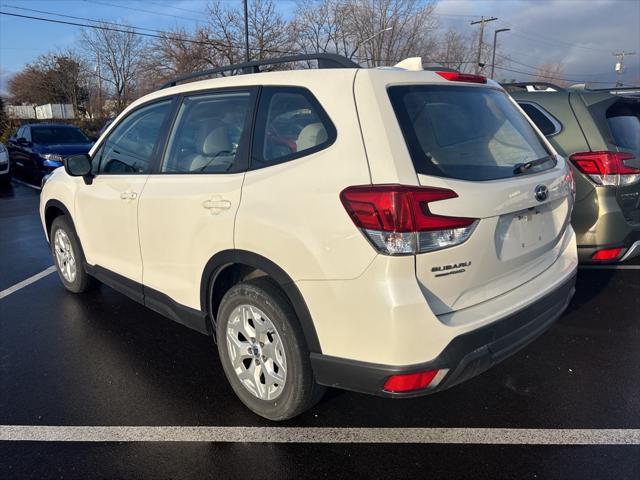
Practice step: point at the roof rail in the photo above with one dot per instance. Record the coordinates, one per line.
(325, 60)
(532, 85)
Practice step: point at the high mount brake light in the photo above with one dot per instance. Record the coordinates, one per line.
(397, 221)
(607, 168)
(462, 77)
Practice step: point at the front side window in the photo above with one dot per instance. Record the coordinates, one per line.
(208, 133)
(291, 124)
(467, 133)
(54, 135)
(129, 146)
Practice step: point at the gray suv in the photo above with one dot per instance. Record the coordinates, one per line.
(600, 133)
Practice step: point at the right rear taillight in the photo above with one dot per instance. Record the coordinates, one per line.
(607, 168)
(397, 221)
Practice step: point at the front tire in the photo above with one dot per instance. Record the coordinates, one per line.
(263, 351)
(68, 257)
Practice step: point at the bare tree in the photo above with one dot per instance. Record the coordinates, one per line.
(323, 27)
(178, 52)
(374, 32)
(68, 77)
(57, 77)
(119, 55)
(550, 72)
(456, 50)
(269, 33)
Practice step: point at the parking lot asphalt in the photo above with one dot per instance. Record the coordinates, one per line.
(100, 359)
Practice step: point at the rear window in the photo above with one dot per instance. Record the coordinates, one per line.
(624, 122)
(467, 133)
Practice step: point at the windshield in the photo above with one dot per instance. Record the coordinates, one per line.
(57, 136)
(467, 133)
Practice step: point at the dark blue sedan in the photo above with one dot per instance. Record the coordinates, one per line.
(37, 149)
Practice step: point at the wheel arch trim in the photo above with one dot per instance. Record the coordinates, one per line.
(60, 206)
(223, 259)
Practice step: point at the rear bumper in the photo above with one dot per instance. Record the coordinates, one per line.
(630, 246)
(465, 356)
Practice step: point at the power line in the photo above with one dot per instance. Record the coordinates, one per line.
(546, 39)
(536, 67)
(550, 77)
(168, 35)
(132, 30)
(85, 19)
(162, 35)
(146, 11)
(165, 5)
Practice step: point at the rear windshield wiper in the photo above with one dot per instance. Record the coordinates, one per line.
(523, 167)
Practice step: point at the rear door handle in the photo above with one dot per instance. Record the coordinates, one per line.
(128, 195)
(216, 206)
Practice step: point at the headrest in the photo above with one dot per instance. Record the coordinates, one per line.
(310, 136)
(217, 141)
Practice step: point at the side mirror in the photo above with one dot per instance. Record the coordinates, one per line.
(79, 166)
(23, 141)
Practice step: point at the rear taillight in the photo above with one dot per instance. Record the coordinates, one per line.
(607, 254)
(462, 77)
(397, 221)
(409, 382)
(607, 168)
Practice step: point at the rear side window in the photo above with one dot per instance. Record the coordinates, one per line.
(468, 133)
(290, 124)
(545, 123)
(624, 122)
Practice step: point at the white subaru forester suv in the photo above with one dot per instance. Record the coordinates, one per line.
(392, 231)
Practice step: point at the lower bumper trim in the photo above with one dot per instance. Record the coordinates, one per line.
(465, 357)
(634, 251)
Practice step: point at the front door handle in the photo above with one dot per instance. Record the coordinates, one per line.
(216, 206)
(128, 195)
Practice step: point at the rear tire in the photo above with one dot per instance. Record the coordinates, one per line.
(68, 256)
(263, 351)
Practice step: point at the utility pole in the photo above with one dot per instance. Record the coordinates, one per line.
(620, 65)
(246, 30)
(482, 21)
(495, 41)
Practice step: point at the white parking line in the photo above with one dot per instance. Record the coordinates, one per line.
(488, 436)
(28, 281)
(610, 267)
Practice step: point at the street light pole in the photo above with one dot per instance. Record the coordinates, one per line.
(495, 39)
(368, 39)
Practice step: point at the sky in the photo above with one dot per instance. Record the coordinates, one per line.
(579, 34)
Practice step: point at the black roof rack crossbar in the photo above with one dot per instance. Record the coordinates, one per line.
(325, 60)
